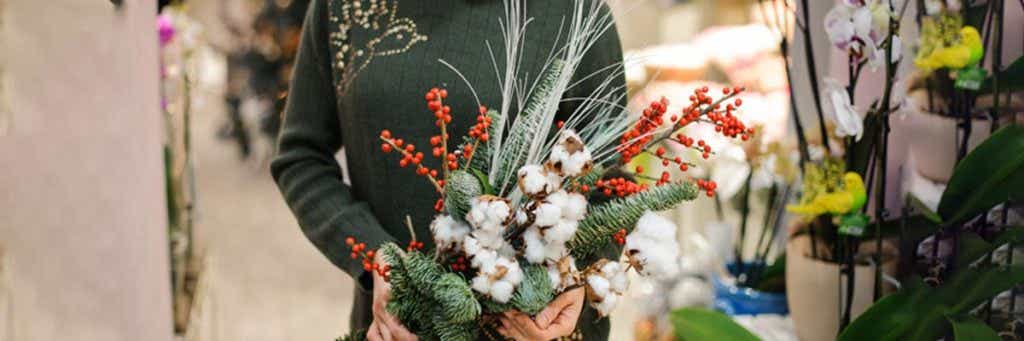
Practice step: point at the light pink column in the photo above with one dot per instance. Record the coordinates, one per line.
(82, 209)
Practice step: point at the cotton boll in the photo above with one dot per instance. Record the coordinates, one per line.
(481, 284)
(555, 251)
(447, 231)
(534, 250)
(569, 157)
(501, 291)
(547, 214)
(575, 207)
(616, 276)
(477, 212)
(471, 246)
(533, 180)
(498, 211)
(561, 232)
(554, 276)
(513, 274)
(608, 304)
(558, 198)
(485, 261)
(599, 285)
(554, 181)
(655, 226)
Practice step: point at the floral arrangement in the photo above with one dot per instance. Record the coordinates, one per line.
(515, 223)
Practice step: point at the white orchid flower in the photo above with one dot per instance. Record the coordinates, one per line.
(840, 111)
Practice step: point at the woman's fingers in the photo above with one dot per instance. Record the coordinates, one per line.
(528, 327)
(373, 334)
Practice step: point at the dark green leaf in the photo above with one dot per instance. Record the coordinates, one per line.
(992, 173)
(972, 247)
(699, 324)
(861, 150)
(917, 312)
(968, 328)
(773, 277)
(1011, 78)
(484, 181)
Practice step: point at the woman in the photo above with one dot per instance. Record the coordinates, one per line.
(363, 66)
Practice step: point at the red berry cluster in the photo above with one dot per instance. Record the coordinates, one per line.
(409, 157)
(460, 264)
(414, 245)
(707, 186)
(436, 105)
(359, 250)
(620, 237)
(620, 187)
(635, 140)
(478, 132)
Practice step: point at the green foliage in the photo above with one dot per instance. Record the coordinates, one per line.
(699, 324)
(434, 304)
(461, 187)
(919, 312)
(966, 327)
(535, 291)
(602, 221)
(992, 173)
(526, 125)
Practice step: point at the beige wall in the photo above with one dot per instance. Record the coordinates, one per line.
(82, 215)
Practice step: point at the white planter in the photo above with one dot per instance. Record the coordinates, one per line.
(812, 288)
(933, 142)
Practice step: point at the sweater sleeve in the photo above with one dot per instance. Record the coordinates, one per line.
(305, 169)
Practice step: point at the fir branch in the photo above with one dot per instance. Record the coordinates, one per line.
(535, 291)
(602, 221)
(524, 129)
(460, 189)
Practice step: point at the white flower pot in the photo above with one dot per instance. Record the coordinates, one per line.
(812, 288)
(933, 143)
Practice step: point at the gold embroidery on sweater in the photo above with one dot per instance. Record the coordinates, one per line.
(376, 20)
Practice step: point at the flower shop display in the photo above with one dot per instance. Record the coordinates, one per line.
(847, 224)
(949, 293)
(516, 223)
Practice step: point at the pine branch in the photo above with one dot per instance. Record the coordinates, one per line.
(459, 190)
(602, 221)
(535, 291)
(524, 129)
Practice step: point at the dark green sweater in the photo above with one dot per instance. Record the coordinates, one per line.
(356, 75)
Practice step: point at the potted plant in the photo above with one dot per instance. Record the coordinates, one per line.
(944, 294)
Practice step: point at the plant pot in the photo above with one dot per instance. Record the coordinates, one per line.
(933, 143)
(814, 300)
(736, 300)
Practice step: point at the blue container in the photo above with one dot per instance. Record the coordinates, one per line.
(736, 300)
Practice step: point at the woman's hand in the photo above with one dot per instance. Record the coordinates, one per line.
(385, 327)
(556, 320)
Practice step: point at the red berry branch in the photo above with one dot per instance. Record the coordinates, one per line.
(369, 262)
(478, 133)
(409, 156)
(649, 131)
